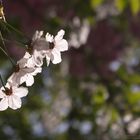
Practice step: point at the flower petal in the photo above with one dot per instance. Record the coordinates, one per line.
(41, 45)
(22, 62)
(27, 70)
(11, 102)
(48, 57)
(2, 95)
(49, 37)
(27, 55)
(23, 79)
(36, 71)
(37, 35)
(14, 79)
(14, 102)
(20, 92)
(30, 62)
(62, 45)
(38, 58)
(59, 35)
(3, 104)
(40, 34)
(56, 56)
(48, 60)
(30, 80)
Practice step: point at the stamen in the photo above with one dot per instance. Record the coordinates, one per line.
(30, 47)
(17, 68)
(30, 50)
(51, 45)
(8, 91)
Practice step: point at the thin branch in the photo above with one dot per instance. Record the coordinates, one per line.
(3, 42)
(2, 39)
(5, 51)
(2, 82)
(17, 31)
(16, 42)
(7, 56)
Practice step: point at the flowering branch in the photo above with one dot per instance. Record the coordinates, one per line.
(42, 46)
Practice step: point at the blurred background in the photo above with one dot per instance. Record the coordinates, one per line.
(94, 94)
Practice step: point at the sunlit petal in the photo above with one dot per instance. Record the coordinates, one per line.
(21, 92)
(3, 104)
(62, 45)
(56, 56)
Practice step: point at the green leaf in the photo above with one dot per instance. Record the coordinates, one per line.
(134, 79)
(120, 4)
(135, 6)
(114, 115)
(133, 98)
(96, 3)
(100, 95)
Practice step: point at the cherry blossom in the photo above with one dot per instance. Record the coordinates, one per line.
(39, 42)
(48, 47)
(56, 45)
(24, 72)
(36, 59)
(37, 49)
(11, 96)
(37, 35)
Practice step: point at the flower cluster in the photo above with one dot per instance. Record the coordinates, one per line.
(42, 46)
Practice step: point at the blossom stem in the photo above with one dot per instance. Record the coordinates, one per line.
(2, 82)
(5, 51)
(4, 26)
(7, 56)
(16, 42)
(17, 31)
(2, 39)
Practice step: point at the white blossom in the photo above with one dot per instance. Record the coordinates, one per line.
(37, 35)
(48, 47)
(24, 72)
(56, 45)
(11, 96)
(38, 48)
(36, 59)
